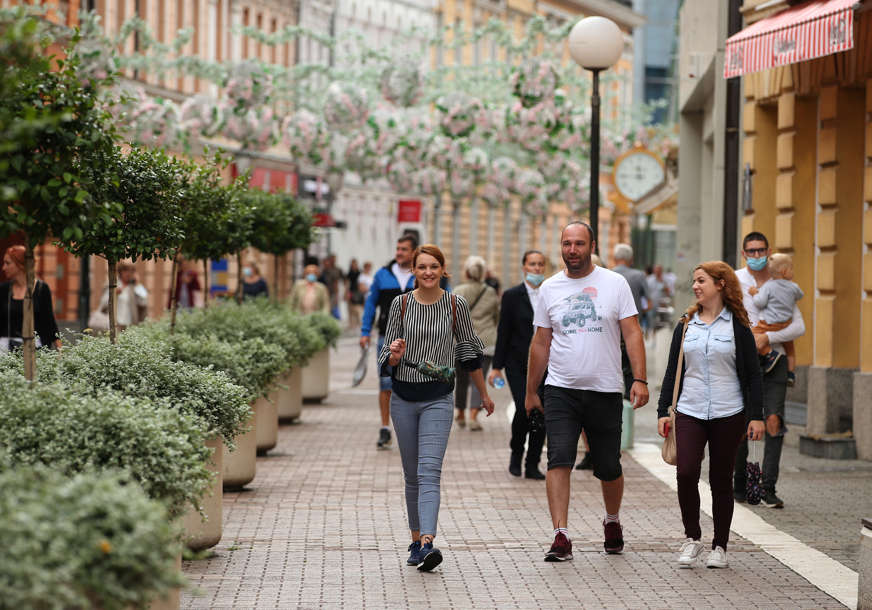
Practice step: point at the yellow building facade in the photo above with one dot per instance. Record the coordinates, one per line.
(807, 132)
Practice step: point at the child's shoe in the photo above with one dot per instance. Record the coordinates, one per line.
(768, 362)
(791, 379)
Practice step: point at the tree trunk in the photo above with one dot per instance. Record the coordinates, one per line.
(27, 324)
(205, 283)
(174, 301)
(239, 278)
(113, 303)
(275, 288)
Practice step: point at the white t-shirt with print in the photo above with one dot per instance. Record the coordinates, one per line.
(584, 316)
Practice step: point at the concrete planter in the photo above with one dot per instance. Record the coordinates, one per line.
(172, 600)
(239, 464)
(267, 422)
(290, 399)
(199, 534)
(316, 377)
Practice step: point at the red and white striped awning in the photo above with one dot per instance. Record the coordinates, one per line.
(799, 33)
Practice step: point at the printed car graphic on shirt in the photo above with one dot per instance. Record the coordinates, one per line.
(581, 310)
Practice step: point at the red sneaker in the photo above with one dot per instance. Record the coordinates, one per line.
(561, 550)
(614, 543)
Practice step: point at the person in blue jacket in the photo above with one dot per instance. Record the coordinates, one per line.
(391, 280)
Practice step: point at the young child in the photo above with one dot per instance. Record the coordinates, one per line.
(776, 300)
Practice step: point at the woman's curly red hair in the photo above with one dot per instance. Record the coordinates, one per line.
(720, 271)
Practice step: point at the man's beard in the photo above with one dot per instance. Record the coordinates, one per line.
(580, 264)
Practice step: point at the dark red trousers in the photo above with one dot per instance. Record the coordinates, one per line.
(723, 436)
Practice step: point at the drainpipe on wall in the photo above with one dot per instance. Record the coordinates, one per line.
(731, 149)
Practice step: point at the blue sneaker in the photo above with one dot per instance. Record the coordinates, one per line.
(415, 556)
(430, 557)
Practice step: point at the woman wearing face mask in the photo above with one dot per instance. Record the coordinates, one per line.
(484, 307)
(308, 294)
(428, 330)
(253, 285)
(720, 402)
(514, 333)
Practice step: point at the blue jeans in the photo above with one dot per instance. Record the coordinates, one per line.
(422, 433)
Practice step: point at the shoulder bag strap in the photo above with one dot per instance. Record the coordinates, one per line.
(478, 298)
(680, 366)
(454, 314)
(403, 303)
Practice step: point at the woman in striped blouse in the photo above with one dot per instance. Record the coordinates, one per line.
(428, 329)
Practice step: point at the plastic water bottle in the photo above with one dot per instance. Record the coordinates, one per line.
(499, 383)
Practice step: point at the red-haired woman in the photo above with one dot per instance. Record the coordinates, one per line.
(12, 305)
(428, 329)
(720, 401)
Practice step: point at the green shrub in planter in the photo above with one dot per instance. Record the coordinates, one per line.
(327, 327)
(139, 366)
(275, 324)
(50, 423)
(93, 540)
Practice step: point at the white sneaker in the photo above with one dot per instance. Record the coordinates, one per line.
(717, 559)
(690, 553)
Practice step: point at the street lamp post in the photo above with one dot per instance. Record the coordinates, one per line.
(595, 44)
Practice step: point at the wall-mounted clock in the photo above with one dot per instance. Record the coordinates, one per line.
(637, 172)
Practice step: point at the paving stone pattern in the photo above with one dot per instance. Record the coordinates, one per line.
(323, 525)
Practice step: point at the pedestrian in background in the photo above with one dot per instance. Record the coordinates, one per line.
(308, 294)
(582, 313)
(394, 278)
(514, 333)
(484, 308)
(332, 277)
(353, 295)
(428, 330)
(756, 252)
(12, 294)
(364, 280)
(253, 284)
(720, 402)
(492, 280)
(623, 255)
(131, 303)
(189, 293)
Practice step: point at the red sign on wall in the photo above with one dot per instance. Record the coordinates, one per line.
(409, 210)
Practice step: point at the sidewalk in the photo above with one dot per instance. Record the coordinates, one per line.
(323, 525)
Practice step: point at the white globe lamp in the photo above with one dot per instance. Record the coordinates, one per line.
(596, 43)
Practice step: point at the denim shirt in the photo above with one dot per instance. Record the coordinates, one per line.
(711, 387)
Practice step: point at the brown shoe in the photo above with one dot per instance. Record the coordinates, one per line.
(614, 533)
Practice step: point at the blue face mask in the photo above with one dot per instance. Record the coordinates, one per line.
(535, 279)
(247, 272)
(758, 264)
(312, 277)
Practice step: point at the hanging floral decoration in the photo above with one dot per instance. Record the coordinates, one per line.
(346, 106)
(534, 81)
(255, 129)
(461, 184)
(504, 173)
(202, 115)
(458, 114)
(305, 134)
(248, 85)
(97, 61)
(155, 122)
(475, 160)
(361, 158)
(430, 181)
(400, 175)
(402, 84)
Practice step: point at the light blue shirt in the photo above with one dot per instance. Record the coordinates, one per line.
(711, 387)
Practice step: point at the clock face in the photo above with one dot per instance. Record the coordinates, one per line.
(637, 174)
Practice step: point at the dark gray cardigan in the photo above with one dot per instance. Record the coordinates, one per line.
(43, 313)
(747, 369)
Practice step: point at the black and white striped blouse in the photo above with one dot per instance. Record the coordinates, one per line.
(427, 330)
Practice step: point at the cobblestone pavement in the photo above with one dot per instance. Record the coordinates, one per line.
(824, 499)
(323, 525)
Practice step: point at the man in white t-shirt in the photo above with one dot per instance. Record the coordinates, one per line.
(581, 315)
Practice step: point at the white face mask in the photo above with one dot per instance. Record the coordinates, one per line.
(535, 279)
